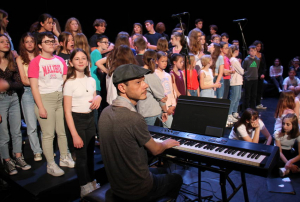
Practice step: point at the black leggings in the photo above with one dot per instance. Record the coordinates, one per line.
(85, 126)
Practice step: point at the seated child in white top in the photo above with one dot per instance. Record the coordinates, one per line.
(285, 140)
(248, 128)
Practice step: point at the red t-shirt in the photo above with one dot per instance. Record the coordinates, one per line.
(192, 80)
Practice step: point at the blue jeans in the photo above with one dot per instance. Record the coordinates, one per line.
(168, 123)
(10, 110)
(193, 92)
(151, 120)
(207, 93)
(219, 91)
(235, 97)
(27, 103)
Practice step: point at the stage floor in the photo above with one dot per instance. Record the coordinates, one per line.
(36, 185)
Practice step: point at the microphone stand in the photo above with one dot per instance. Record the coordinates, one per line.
(244, 42)
(185, 54)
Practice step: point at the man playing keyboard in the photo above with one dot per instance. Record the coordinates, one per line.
(125, 139)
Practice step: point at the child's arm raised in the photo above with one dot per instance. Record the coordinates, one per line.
(100, 64)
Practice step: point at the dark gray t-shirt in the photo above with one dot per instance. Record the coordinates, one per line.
(123, 134)
(250, 66)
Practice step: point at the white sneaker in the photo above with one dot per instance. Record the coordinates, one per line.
(67, 161)
(236, 115)
(231, 119)
(279, 90)
(95, 185)
(229, 124)
(283, 172)
(38, 157)
(53, 169)
(261, 107)
(86, 189)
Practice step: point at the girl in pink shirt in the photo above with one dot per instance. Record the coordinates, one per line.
(47, 73)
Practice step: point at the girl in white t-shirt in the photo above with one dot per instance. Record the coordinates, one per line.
(206, 78)
(285, 140)
(249, 127)
(80, 99)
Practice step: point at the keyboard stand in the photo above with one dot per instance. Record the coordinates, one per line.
(224, 175)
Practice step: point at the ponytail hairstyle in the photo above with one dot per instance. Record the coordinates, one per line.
(175, 57)
(149, 58)
(63, 37)
(42, 18)
(232, 48)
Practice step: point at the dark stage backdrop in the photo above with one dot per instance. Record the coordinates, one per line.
(271, 24)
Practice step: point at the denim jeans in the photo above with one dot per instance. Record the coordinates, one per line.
(10, 110)
(27, 103)
(168, 123)
(207, 93)
(151, 120)
(219, 91)
(193, 92)
(235, 96)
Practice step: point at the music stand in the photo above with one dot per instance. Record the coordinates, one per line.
(201, 115)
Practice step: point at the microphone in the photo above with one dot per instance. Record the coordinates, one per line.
(239, 20)
(179, 14)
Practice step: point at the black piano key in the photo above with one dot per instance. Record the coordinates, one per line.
(248, 156)
(257, 156)
(240, 153)
(253, 155)
(244, 153)
(221, 150)
(234, 151)
(231, 151)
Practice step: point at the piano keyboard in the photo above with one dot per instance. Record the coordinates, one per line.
(250, 157)
(217, 151)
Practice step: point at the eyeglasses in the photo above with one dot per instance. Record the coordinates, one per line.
(106, 42)
(49, 42)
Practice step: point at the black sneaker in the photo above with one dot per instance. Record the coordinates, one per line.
(10, 167)
(20, 163)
